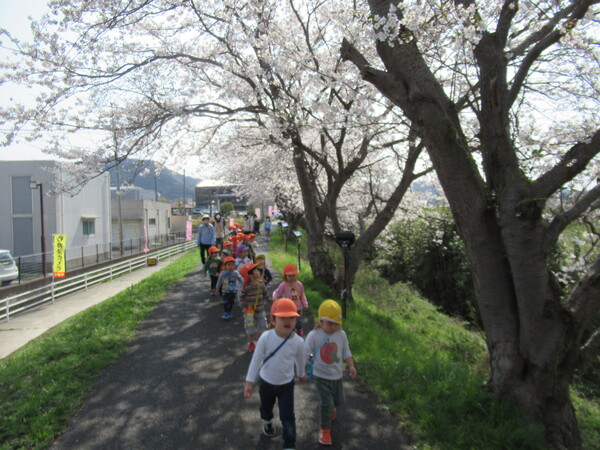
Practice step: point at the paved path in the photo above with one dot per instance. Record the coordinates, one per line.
(180, 386)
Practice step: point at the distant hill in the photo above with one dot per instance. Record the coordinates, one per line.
(421, 186)
(169, 184)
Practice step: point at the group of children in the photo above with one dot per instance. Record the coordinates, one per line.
(280, 353)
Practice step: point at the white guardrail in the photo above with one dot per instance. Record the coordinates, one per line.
(16, 304)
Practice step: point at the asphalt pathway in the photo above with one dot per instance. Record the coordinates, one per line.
(180, 386)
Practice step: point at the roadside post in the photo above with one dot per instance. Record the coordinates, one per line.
(284, 227)
(345, 240)
(298, 234)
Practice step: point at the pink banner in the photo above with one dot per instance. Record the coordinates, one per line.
(257, 212)
(270, 210)
(188, 231)
(275, 210)
(146, 249)
(231, 221)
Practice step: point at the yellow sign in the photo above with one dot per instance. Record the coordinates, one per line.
(60, 265)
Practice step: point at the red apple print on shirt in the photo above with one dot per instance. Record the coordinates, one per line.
(328, 353)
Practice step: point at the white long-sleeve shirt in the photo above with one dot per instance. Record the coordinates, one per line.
(279, 369)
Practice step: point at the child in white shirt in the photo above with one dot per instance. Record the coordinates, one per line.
(278, 352)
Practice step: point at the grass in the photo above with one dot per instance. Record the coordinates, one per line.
(425, 367)
(428, 369)
(44, 384)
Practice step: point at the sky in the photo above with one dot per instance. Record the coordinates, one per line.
(14, 18)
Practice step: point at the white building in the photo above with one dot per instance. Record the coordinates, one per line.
(143, 222)
(83, 217)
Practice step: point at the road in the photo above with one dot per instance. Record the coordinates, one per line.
(180, 386)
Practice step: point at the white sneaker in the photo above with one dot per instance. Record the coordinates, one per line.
(268, 428)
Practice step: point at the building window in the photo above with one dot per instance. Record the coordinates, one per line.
(21, 196)
(89, 227)
(152, 222)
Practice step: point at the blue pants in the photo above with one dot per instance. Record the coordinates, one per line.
(228, 301)
(285, 395)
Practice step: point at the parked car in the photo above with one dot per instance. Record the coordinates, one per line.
(8, 268)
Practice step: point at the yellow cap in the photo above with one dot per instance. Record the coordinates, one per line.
(330, 310)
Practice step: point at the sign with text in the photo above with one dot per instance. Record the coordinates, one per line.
(60, 265)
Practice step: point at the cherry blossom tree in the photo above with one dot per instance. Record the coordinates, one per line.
(314, 120)
(505, 96)
(207, 77)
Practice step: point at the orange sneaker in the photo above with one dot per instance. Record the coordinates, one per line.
(325, 436)
(333, 414)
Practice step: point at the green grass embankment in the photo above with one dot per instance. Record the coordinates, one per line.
(427, 368)
(43, 384)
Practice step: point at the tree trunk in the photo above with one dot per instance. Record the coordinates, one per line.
(532, 339)
(321, 263)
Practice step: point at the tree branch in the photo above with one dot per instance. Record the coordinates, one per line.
(584, 301)
(545, 38)
(590, 350)
(561, 221)
(384, 82)
(573, 163)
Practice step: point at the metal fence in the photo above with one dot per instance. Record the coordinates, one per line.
(58, 288)
(32, 266)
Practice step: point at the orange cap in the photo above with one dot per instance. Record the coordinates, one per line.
(245, 269)
(290, 269)
(228, 259)
(213, 249)
(284, 307)
(226, 243)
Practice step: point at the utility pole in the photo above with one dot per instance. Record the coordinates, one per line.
(118, 176)
(155, 188)
(35, 185)
(183, 212)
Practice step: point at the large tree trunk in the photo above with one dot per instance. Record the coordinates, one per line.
(532, 339)
(321, 263)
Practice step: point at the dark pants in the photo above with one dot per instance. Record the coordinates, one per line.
(204, 252)
(299, 320)
(213, 282)
(228, 301)
(285, 396)
(331, 395)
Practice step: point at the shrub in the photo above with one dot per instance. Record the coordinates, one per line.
(428, 253)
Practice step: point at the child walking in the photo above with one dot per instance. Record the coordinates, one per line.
(253, 299)
(242, 256)
(267, 227)
(261, 265)
(325, 349)
(229, 281)
(279, 351)
(292, 288)
(212, 267)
